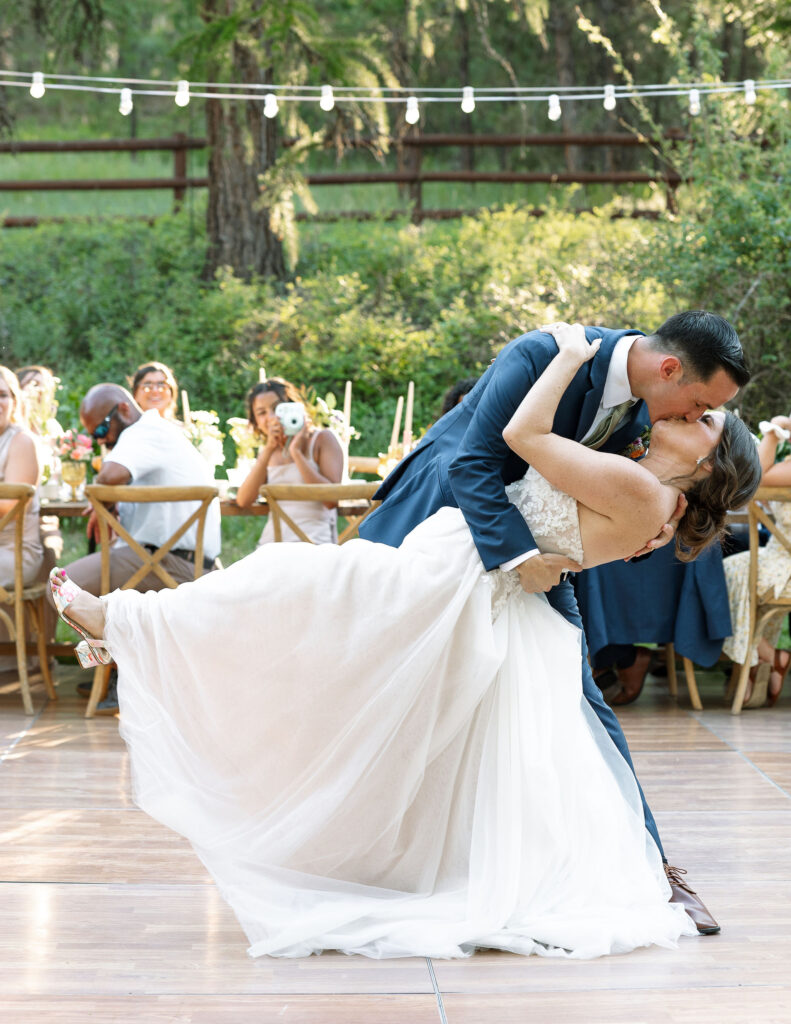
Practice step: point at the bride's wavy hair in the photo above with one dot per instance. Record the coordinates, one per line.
(734, 478)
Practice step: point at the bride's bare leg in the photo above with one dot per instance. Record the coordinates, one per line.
(86, 610)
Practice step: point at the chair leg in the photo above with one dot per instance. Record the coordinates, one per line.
(101, 678)
(741, 687)
(672, 676)
(37, 614)
(21, 659)
(692, 685)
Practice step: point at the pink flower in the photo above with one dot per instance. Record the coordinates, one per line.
(79, 454)
(84, 441)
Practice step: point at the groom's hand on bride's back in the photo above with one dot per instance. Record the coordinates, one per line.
(666, 534)
(542, 572)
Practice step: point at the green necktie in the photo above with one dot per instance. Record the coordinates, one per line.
(607, 425)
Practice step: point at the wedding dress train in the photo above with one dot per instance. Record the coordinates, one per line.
(386, 751)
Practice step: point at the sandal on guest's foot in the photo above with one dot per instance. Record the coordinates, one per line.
(780, 667)
(91, 651)
(758, 687)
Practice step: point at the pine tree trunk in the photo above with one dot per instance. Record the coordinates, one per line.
(242, 145)
(561, 27)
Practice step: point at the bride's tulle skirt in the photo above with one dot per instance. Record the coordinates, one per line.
(365, 761)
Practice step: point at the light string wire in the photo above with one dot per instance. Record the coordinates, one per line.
(399, 94)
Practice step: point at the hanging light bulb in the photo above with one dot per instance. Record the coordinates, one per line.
(182, 93)
(467, 99)
(749, 92)
(694, 102)
(554, 107)
(609, 97)
(270, 105)
(327, 101)
(412, 115)
(37, 89)
(125, 106)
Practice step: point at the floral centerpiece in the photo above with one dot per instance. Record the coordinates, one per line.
(204, 432)
(77, 453)
(245, 439)
(325, 413)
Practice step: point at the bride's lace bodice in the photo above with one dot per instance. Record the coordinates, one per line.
(553, 519)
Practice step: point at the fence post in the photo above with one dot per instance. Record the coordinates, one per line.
(179, 169)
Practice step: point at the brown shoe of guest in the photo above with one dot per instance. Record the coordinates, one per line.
(632, 678)
(690, 901)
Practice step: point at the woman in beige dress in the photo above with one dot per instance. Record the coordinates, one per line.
(311, 456)
(19, 464)
(774, 574)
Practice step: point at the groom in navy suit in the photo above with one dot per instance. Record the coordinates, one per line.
(693, 362)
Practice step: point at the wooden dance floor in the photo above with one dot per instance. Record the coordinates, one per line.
(108, 916)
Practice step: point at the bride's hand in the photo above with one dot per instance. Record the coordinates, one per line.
(542, 572)
(571, 338)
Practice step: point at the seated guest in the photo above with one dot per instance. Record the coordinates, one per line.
(774, 573)
(311, 456)
(147, 450)
(38, 385)
(19, 464)
(154, 387)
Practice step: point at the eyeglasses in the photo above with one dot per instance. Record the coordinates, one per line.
(102, 430)
(157, 385)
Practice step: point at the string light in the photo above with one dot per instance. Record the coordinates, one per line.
(37, 89)
(326, 96)
(270, 105)
(125, 106)
(182, 93)
(327, 101)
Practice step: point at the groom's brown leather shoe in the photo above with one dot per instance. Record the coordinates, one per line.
(690, 901)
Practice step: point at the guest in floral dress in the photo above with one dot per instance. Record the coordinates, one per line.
(774, 575)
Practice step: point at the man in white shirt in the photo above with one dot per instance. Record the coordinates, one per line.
(146, 450)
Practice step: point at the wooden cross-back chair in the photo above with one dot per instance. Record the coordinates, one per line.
(355, 496)
(103, 498)
(22, 598)
(762, 605)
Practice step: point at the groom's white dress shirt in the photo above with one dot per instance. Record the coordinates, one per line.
(616, 391)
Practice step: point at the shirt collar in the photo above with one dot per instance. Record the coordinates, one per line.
(616, 386)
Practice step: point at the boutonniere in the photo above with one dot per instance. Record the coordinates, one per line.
(639, 447)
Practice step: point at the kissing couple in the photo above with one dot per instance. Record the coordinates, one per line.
(395, 747)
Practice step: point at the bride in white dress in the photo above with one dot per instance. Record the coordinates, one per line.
(386, 751)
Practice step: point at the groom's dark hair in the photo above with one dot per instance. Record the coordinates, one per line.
(705, 343)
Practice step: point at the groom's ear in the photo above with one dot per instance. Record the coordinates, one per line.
(670, 368)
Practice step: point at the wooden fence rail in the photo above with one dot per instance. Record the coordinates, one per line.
(410, 172)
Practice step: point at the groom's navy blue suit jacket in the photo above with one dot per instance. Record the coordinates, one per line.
(463, 460)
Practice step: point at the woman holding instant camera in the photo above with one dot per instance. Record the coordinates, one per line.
(294, 452)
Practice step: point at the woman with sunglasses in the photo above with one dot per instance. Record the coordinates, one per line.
(154, 386)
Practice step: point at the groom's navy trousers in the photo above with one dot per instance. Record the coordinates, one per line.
(464, 462)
